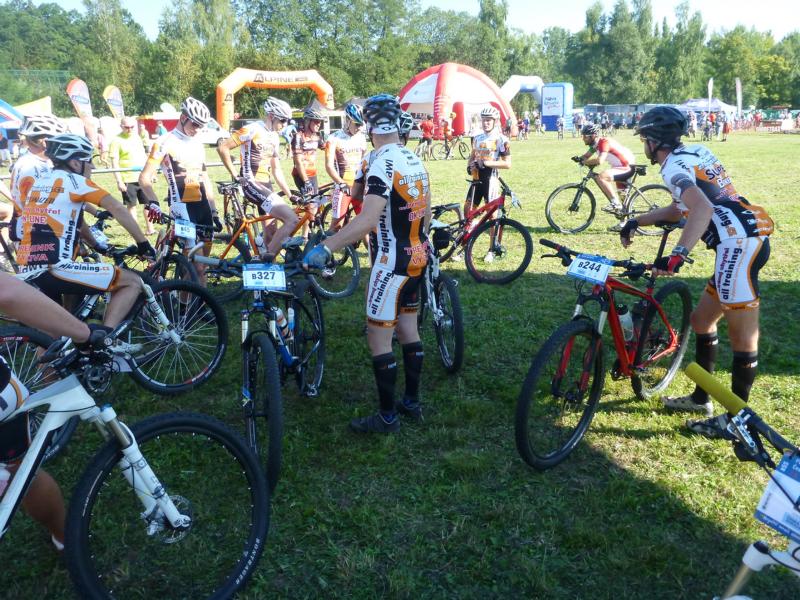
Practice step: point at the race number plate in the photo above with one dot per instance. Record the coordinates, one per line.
(258, 276)
(185, 229)
(588, 267)
(774, 508)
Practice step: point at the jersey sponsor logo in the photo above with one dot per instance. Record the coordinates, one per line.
(730, 259)
(378, 290)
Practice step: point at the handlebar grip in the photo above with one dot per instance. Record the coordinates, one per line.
(549, 244)
(719, 392)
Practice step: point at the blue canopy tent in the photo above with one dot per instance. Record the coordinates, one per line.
(10, 120)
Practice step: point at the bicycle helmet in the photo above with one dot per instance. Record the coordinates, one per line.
(278, 108)
(312, 113)
(39, 125)
(590, 129)
(405, 123)
(69, 146)
(196, 111)
(382, 112)
(354, 113)
(490, 112)
(663, 124)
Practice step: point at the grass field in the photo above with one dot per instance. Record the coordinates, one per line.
(447, 509)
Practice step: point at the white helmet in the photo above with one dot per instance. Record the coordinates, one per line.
(38, 125)
(278, 108)
(196, 110)
(69, 146)
(490, 112)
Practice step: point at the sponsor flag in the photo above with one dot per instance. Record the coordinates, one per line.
(114, 100)
(78, 92)
(710, 92)
(10, 117)
(738, 96)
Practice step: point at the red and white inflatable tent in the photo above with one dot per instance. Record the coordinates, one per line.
(451, 87)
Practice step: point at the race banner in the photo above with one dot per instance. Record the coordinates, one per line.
(738, 96)
(78, 92)
(710, 92)
(114, 100)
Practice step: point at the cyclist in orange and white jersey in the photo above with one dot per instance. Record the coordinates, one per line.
(738, 232)
(305, 143)
(260, 144)
(490, 152)
(343, 153)
(618, 157)
(51, 219)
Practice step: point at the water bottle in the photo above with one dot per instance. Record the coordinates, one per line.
(290, 318)
(280, 319)
(4, 477)
(260, 244)
(626, 321)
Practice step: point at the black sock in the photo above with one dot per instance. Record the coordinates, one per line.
(385, 368)
(412, 365)
(743, 373)
(705, 353)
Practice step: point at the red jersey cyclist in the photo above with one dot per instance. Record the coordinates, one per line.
(260, 144)
(343, 153)
(619, 158)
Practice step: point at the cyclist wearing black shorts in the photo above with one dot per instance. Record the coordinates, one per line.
(490, 152)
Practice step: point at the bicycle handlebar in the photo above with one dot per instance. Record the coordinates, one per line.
(633, 270)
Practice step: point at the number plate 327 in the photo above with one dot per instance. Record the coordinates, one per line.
(258, 276)
(591, 268)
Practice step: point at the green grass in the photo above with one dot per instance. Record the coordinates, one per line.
(447, 509)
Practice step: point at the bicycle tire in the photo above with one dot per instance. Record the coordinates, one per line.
(8, 259)
(340, 280)
(541, 393)
(651, 378)
(176, 266)
(464, 150)
(263, 399)
(160, 365)
(451, 346)
(644, 199)
(20, 347)
(226, 285)
(492, 238)
(308, 341)
(438, 152)
(564, 203)
(211, 474)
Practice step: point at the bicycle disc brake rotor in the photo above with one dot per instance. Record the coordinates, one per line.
(160, 529)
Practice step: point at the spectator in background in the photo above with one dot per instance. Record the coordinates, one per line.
(287, 133)
(127, 152)
(577, 122)
(145, 137)
(102, 147)
(726, 126)
(160, 129)
(5, 154)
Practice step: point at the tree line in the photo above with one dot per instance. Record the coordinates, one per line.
(363, 47)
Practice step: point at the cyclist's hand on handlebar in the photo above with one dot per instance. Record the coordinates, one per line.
(103, 215)
(145, 250)
(97, 338)
(344, 188)
(217, 223)
(578, 159)
(154, 214)
(627, 232)
(668, 265)
(318, 257)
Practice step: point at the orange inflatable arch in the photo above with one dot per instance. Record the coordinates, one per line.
(268, 79)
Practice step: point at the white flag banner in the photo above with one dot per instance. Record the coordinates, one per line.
(738, 96)
(710, 92)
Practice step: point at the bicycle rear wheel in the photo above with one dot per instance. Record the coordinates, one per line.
(570, 208)
(464, 150)
(113, 551)
(499, 251)
(560, 395)
(163, 366)
(341, 279)
(438, 152)
(654, 366)
(262, 398)
(645, 199)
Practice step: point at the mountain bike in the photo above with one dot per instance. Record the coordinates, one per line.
(779, 507)
(456, 146)
(571, 208)
(175, 506)
(8, 257)
(289, 342)
(440, 300)
(496, 249)
(565, 381)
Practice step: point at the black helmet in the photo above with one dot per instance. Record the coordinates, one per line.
(590, 129)
(382, 112)
(663, 124)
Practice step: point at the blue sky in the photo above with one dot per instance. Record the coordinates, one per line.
(778, 16)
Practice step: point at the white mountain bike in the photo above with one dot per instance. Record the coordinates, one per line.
(175, 506)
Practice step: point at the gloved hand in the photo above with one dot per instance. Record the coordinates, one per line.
(216, 221)
(627, 232)
(318, 257)
(97, 337)
(154, 214)
(669, 264)
(578, 159)
(344, 188)
(146, 250)
(295, 199)
(103, 215)
(308, 188)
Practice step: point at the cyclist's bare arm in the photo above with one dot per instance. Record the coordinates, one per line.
(146, 181)
(330, 162)
(123, 217)
(597, 160)
(277, 173)
(205, 181)
(224, 150)
(504, 162)
(28, 305)
(361, 225)
(700, 211)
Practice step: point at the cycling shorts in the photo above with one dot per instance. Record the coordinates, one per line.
(735, 279)
(261, 195)
(340, 202)
(486, 187)
(621, 173)
(78, 278)
(15, 438)
(300, 184)
(389, 295)
(198, 213)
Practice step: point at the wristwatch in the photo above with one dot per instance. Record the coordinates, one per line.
(682, 250)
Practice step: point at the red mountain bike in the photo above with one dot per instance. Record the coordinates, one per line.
(563, 386)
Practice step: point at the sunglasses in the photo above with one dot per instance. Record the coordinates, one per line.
(128, 127)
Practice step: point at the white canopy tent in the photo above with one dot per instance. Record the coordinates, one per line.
(702, 105)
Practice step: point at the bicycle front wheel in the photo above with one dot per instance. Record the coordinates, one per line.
(339, 280)
(645, 199)
(164, 366)
(438, 152)
(560, 395)
(655, 364)
(449, 323)
(570, 208)
(499, 251)
(263, 399)
(115, 551)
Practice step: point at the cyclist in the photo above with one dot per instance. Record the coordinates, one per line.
(287, 133)
(127, 152)
(739, 234)
(183, 162)
(397, 203)
(618, 157)
(447, 136)
(343, 153)
(490, 152)
(31, 165)
(305, 143)
(427, 128)
(51, 219)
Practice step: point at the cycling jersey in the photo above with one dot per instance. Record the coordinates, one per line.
(348, 151)
(398, 176)
(26, 170)
(182, 160)
(305, 145)
(733, 216)
(427, 127)
(618, 155)
(259, 147)
(487, 146)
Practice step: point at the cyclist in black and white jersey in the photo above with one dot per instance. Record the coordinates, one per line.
(736, 230)
(397, 206)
